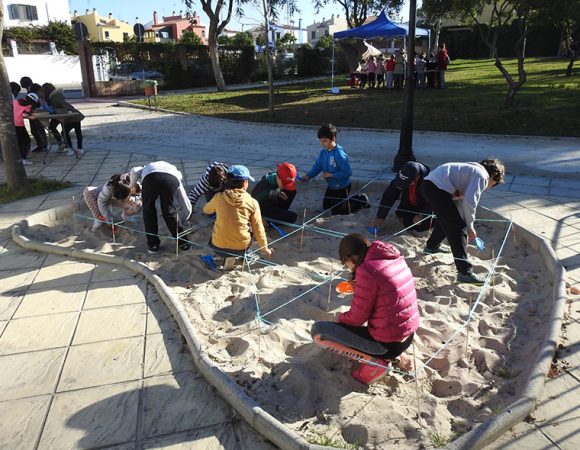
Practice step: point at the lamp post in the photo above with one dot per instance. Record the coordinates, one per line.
(405, 152)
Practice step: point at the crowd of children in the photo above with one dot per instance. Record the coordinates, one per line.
(52, 100)
(378, 71)
(384, 295)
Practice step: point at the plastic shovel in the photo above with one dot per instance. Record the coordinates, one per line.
(344, 287)
(282, 232)
(479, 243)
(208, 261)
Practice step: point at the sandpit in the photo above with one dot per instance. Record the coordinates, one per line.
(469, 379)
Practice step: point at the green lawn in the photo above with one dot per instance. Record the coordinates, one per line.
(473, 102)
(35, 186)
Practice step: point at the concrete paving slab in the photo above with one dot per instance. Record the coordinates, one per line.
(111, 362)
(531, 181)
(166, 354)
(53, 301)
(17, 278)
(29, 374)
(220, 437)
(37, 333)
(3, 324)
(24, 260)
(571, 351)
(178, 402)
(126, 292)
(9, 303)
(106, 272)
(159, 320)
(111, 323)
(527, 189)
(565, 192)
(558, 416)
(90, 418)
(248, 438)
(522, 437)
(21, 422)
(62, 275)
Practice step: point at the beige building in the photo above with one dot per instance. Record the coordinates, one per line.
(325, 28)
(104, 29)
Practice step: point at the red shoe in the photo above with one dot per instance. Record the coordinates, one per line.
(368, 374)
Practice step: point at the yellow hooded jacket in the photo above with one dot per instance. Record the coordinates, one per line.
(235, 210)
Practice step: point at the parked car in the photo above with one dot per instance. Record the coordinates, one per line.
(133, 72)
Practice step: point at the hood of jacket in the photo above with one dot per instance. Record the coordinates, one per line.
(234, 197)
(381, 250)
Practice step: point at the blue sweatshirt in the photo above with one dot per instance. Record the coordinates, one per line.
(334, 162)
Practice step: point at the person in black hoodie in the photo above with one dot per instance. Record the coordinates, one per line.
(412, 207)
(36, 127)
(275, 193)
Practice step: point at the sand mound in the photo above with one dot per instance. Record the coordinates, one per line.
(274, 360)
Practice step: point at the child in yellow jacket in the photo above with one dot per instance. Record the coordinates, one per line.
(236, 211)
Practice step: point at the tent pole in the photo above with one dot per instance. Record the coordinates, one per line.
(332, 65)
(429, 48)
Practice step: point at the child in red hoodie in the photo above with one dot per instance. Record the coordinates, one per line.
(384, 298)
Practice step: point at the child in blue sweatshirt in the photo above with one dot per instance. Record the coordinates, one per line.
(332, 164)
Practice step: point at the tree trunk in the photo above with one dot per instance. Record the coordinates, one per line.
(435, 45)
(15, 173)
(215, 60)
(493, 47)
(268, 59)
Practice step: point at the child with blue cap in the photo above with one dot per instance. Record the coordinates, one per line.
(238, 216)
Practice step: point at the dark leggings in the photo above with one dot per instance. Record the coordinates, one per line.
(335, 199)
(359, 338)
(23, 141)
(281, 211)
(163, 186)
(448, 224)
(52, 127)
(67, 127)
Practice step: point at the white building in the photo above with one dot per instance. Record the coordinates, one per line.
(35, 12)
(277, 31)
(325, 28)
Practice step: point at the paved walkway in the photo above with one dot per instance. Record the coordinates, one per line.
(89, 357)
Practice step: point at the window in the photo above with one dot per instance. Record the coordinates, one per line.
(125, 36)
(326, 32)
(278, 35)
(313, 35)
(106, 35)
(22, 12)
(202, 33)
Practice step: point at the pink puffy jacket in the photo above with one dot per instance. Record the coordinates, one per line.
(384, 295)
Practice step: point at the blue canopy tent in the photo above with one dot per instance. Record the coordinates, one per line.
(381, 27)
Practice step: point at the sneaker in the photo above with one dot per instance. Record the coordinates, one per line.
(433, 251)
(364, 199)
(96, 225)
(80, 151)
(39, 150)
(26, 162)
(471, 278)
(70, 152)
(368, 374)
(153, 248)
(184, 246)
(62, 147)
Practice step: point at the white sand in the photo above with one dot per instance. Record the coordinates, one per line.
(311, 390)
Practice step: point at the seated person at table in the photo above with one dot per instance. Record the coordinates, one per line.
(384, 298)
(333, 165)
(115, 192)
(211, 182)
(412, 207)
(237, 216)
(275, 193)
(55, 99)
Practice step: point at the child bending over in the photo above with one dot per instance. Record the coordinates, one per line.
(384, 298)
(115, 192)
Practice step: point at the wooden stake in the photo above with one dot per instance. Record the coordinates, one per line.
(417, 386)
(74, 214)
(493, 276)
(330, 285)
(302, 232)
(467, 329)
(113, 230)
(177, 239)
(513, 229)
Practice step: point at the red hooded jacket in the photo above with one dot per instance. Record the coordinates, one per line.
(384, 295)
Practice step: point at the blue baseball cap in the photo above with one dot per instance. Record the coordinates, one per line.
(239, 172)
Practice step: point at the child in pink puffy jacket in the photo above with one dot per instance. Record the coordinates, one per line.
(384, 298)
